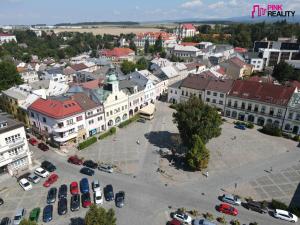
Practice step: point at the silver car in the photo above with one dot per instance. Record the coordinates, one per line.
(20, 214)
(202, 222)
(33, 178)
(106, 168)
(231, 199)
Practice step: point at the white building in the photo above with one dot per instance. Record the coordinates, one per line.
(141, 38)
(29, 76)
(185, 51)
(14, 152)
(185, 30)
(5, 38)
(55, 74)
(292, 116)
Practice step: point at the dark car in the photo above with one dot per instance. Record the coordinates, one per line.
(1, 201)
(51, 197)
(86, 200)
(84, 185)
(240, 126)
(63, 191)
(48, 166)
(62, 208)
(120, 199)
(109, 193)
(34, 214)
(47, 213)
(255, 206)
(90, 164)
(5, 221)
(75, 160)
(75, 202)
(87, 171)
(43, 146)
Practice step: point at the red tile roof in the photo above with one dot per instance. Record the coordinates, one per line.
(294, 83)
(189, 43)
(188, 26)
(193, 65)
(268, 79)
(117, 52)
(220, 85)
(221, 70)
(56, 108)
(237, 62)
(78, 67)
(262, 92)
(93, 84)
(240, 50)
(6, 35)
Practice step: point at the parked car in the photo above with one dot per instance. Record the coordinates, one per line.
(86, 200)
(240, 126)
(228, 209)
(106, 168)
(33, 178)
(48, 166)
(96, 185)
(1, 201)
(98, 197)
(174, 222)
(62, 207)
(43, 146)
(87, 171)
(285, 215)
(109, 193)
(231, 199)
(75, 160)
(255, 206)
(120, 199)
(202, 222)
(5, 221)
(24, 175)
(20, 214)
(62, 191)
(75, 202)
(24, 183)
(51, 197)
(48, 213)
(90, 164)
(84, 185)
(182, 217)
(41, 172)
(141, 120)
(52, 179)
(74, 188)
(34, 214)
(33, 141)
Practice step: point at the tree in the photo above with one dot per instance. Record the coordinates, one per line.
(158, 46)
(284, 72)
(132, 46)
(27, 222)
(146, 47)
(194, 117)
(142, 64)
(204, 29)
(99, 216)
(8, 75)
(198, 156)
(127, 67)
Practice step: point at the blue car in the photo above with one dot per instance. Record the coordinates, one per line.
(47, 213)
(84, 185)
(240, 126)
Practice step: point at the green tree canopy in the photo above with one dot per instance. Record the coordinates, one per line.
(158, 46)
(8, 75)
(146, 47)
(194, 117)
(99, 216)
(27, 222)
(284, 72)
(142, 64)
(127, 66)
(198, 156)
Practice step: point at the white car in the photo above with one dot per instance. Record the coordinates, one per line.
(106, 168)
(182, 217)
(98, 197)
(285, 215)
(24, 183)
(96, 185)
(231, 199)
(41, 172)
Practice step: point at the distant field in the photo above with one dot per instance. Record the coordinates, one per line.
(114, 30)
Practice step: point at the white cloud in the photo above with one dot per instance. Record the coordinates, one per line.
(217, 5)
(191, 4)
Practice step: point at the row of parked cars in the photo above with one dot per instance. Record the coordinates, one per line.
(227, 207)
(40, 145)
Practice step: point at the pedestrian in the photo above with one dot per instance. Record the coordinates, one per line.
(271, 169)
(206, 174)
(138, 141)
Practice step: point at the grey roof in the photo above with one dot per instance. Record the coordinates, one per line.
(75, 89)
(99, 95)
(128, 85)
(251, 55)
(40, 84)
(55, 70)
(15, 93)
(295, 101)
(11, 123)
(138, 78)
(176, 85)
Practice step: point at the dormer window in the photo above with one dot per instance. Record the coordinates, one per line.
(116, 97)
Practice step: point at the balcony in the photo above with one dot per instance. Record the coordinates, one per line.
(59, 129)
(12, 144)
(65, 138)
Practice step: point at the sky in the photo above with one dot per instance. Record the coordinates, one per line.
(59, 11)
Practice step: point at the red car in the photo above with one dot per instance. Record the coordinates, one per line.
(174, 222)
(74, 188)
(228, 209)
(86, 200)
(33, 141)
(51, 179)
(43, 146)
(75, 160)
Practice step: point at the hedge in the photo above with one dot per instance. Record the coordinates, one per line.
(271, 130)
(87, 143)
(110, 132)
(275, 204)
(129, 121)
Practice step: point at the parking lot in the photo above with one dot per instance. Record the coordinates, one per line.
(150, 196)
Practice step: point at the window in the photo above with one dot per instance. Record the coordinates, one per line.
(78, 118)
(116, 98)
(279, 113)
(222, 95)
(99, 118)
(290, 115)
(175, 92)
(298, 116)
(263, 109)
(208, 99)
(243, 105)
(255, 108)
(215, 94)
(70, 122)
(221, 102)
(208, 92)
(271, 111)
(171, 91)
(90, 113)
(80, 127)
(32, 114)
(111, 112)
(98, 110)
(186, 93)
(91, 122)
(107, 114)
(249, 107)
(122, 108)
(235, 104)
(72, 131)
(214, 101)
(46, 129)
(44, 120)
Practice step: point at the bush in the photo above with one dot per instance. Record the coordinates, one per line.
(235, 222)
(250, 125)
(110, 132)
(296, 138)
(132, 119)
(221, 220)
(275, 204)
(271, 130)
(173, 106)
(295, 210)
(287, 136)
(87, 143)
(253, 223)
(208, 216)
